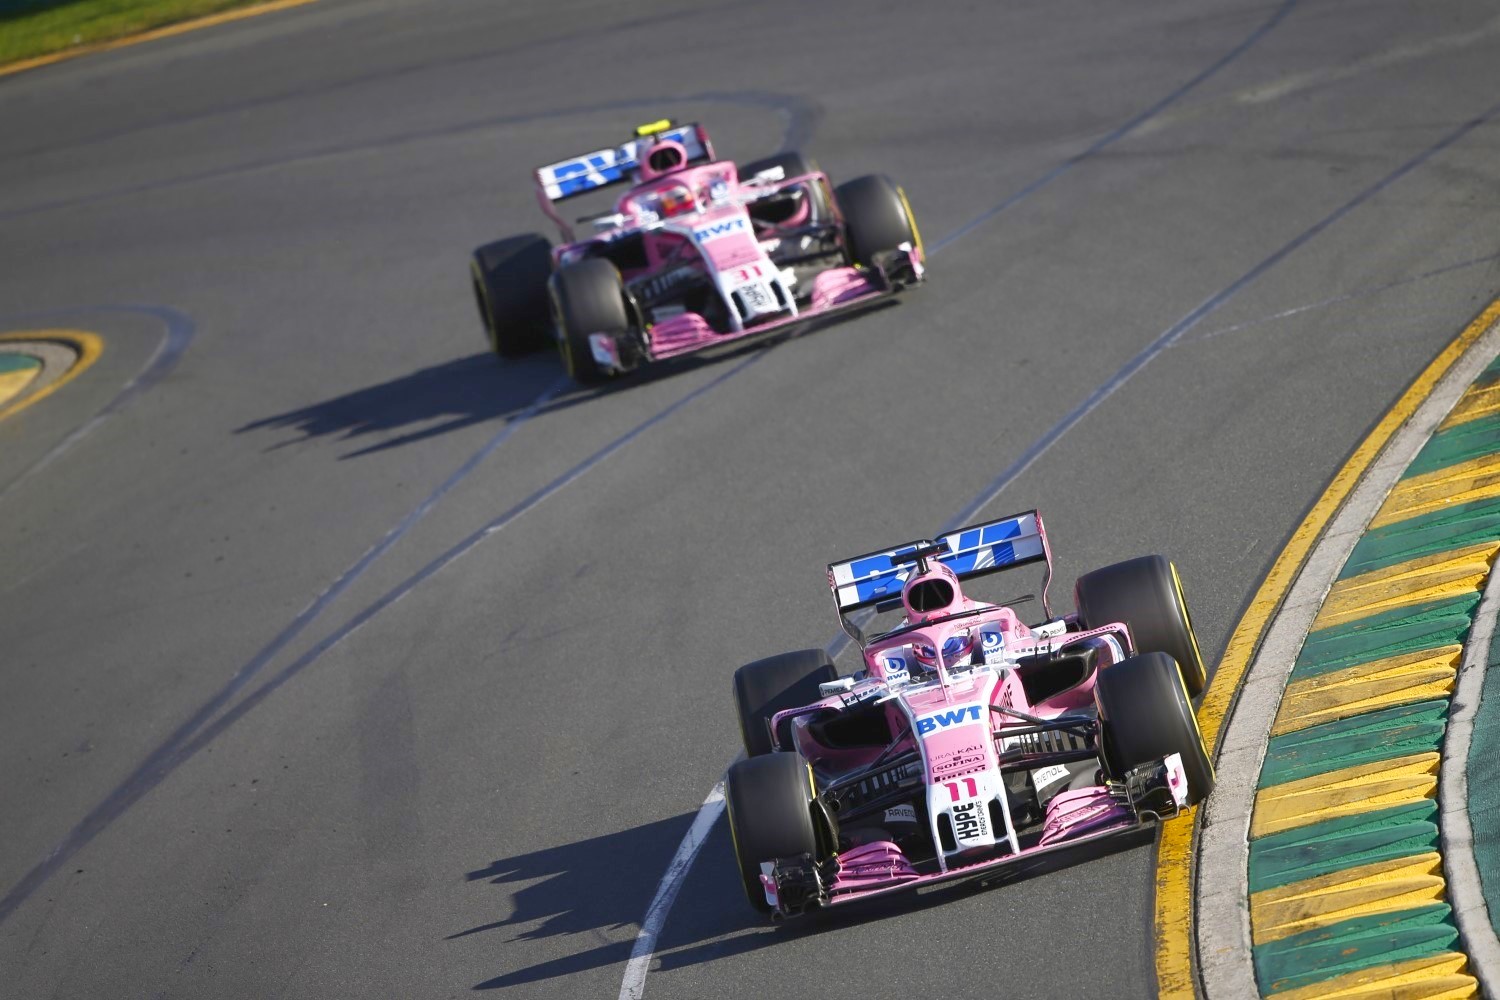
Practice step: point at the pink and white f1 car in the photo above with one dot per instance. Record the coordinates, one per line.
(970, 740)
(696, 252)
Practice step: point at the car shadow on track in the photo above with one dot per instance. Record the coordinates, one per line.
(601, 885)
(477, 389)
(593, 887)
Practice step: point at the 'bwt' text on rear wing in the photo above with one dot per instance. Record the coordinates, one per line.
(980, 549)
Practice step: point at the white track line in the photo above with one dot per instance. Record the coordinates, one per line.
(634, 985)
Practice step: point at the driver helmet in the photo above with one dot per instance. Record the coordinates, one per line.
(955, 649)
(662, 157)
(676, 200)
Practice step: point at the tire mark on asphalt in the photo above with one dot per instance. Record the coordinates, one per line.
(178, 336)
(384, 75)
(1206, 308)
(203, 727)
(800, 120)
(1357, 294)
(166, 757)
(800, 115)
(1109, 139)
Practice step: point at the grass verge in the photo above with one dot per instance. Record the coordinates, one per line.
(33, 28)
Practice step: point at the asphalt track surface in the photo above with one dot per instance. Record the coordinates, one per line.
(341, 661)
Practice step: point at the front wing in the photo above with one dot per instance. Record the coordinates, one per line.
(1150, 794)
(835, 291)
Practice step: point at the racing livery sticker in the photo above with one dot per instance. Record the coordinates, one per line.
(970, 823)
(992, 643)
(724, 227)
(936, 721)
(901, 814)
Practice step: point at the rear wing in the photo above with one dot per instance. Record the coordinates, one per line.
(603, 167)
(978, 550)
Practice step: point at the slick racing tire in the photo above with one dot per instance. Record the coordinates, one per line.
(792, 164)
(1145, 594)
(770, 816)
(587, 297)
(1145, 714)
(510, 288)
(877, 218)
(765, 687)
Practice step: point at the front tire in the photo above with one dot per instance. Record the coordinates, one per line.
(770, 816)
(1145, 594)
(1145, 714)
(587, 297)
(877, 218)
(509, 278)
(768, 686)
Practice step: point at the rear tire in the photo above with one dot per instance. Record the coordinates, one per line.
(877, 218)
(1145, 594)
(509, 278)
(770, 816)
(587, 297)
(1145, 714)
(765, 687)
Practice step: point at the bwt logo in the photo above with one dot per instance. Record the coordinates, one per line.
(725, 228)
(942, 720)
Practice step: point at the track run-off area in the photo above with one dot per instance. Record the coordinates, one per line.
(341, 659)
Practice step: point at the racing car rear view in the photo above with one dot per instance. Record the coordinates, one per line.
(696, 252)
(969, 740)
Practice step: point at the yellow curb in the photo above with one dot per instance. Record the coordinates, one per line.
(12, 383)
(150, 36)
(1416, 581)
(1476, 479)
(1362, 788)
(1174, 902)
(1477, 403)
(88, 345)
(1397, 680)
(1435, 977)
(1379, 887)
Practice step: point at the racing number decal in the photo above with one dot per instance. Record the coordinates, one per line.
(968, 816)
(958, 796)
(751, 272)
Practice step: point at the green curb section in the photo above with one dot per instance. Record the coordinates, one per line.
(1309, 851)
(1454, 528)
(1352, 945)
(1457, 445)
(1359, 739)
(1391, 633)
(1342, 874)
(12, 362)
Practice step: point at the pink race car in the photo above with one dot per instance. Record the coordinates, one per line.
(696, 252)
(970, 740)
